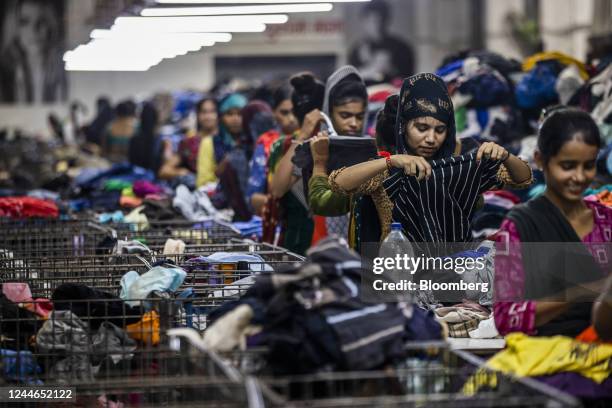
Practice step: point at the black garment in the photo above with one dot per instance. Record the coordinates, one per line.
(314, 318)
(94, 306)
(17, 325)
(440, 208)
(344, 151)
(160, 210)
(554, 260)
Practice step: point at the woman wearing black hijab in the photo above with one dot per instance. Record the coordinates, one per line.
(425, 140)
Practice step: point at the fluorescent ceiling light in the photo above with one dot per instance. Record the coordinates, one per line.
(192, 24)
(253, 1)
(216, 37)
(237, 10)
(126, 30)
(201, 20)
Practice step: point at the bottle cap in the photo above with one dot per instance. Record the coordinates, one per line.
(396, 226)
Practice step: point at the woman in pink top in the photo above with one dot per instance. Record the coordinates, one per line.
(551, 252)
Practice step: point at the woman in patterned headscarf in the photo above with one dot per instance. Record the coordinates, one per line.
(425, 140)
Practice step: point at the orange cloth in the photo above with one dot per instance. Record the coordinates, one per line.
(605, 198)
(146, 330)
(589, 335)
(130, 202)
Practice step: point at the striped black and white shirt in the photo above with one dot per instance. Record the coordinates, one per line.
(440, 208)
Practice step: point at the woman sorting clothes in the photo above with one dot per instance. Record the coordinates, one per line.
(556, 245)
(345, 102)
(427, 189)
(286, 208)
(324, 201)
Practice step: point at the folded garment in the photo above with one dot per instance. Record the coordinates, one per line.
(130, 202)
(116, 185)
(27, 207)
(143, 187)
(250, 228)
(462, 329)
(459, 314)
(160, 278)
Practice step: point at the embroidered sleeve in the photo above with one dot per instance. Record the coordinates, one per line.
(504, 177)
(368, 187)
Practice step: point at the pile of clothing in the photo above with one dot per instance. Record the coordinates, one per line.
(312, 318)
(482, 92)
(468, 320)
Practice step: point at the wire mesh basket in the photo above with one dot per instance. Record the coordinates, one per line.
(114, 350)
(432, 376)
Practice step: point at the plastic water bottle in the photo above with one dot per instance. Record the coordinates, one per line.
(395, 244)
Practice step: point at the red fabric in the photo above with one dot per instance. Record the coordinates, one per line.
(27, 207)
(320, 229)
(589, 335)
(506, 194)
(267, 140)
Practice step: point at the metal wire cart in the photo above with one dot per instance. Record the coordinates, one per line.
(76, 327)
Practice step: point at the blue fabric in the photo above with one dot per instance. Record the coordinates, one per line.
(79, 205)
(44, 195)
(537, 87)
(93, 178)
(116, 216)
(450, 68)
(483, 117)
(487, 89)
(257, 178)
(252, 227)
(20, 366)
(184, 104)
(423, 326)
(159, 278)
(232, 101)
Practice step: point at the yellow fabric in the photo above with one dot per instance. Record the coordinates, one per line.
(206, 162)
(526, 356)
(128, 192)
(565, 59)
(146, 330)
